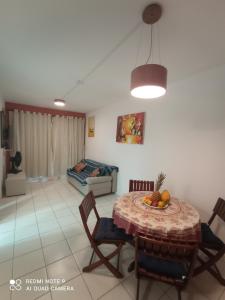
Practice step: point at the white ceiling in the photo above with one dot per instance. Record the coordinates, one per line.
(46, 46)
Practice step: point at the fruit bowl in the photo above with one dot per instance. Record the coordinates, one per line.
(148, 202)
(155, 207)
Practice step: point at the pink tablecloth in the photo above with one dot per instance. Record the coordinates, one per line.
(179, 221)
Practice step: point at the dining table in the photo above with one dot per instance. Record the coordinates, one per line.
(179, 220)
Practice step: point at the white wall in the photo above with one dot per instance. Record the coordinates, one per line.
(184, 137)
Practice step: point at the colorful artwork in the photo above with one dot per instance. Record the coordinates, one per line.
(91, 126)
(130, 129)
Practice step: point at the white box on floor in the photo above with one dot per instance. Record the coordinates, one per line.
(15, 184)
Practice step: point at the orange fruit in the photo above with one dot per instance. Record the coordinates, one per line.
(165, 196)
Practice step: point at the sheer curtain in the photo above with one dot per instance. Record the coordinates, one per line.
(32, 136)
(49, 144)
(68, 142)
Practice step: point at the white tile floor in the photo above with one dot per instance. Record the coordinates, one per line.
(41, 237)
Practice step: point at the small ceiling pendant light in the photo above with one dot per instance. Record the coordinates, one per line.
(59, 102)
(149, 80)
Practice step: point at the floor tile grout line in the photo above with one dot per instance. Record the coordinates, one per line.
(69, 206)
(46, 270)
(206, 296)
(61, 227)
(43, 267)
(4, 261)
(42, 295)
(223, 294)
(76, 219)
(74, 257)
(82, 276)
(82, 273)
(61, 230)
(85, 281)
(26, 253)
(119, 283)
(78, 275)
(14, 247)
(38, 269)
(87, 285)
(165, 293)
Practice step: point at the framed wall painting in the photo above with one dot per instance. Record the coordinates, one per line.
(130, 128)
(91, 126)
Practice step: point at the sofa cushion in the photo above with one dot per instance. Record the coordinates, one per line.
(104, 168)
(91, 165)
(100, 179)
(79, 167)
(84, 178)
(80, 177)
(95, 173)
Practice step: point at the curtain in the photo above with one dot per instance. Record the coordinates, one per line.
(49, 144)
(68, 142)
(32, 136)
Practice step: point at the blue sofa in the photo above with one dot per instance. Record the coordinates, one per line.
(104, 183)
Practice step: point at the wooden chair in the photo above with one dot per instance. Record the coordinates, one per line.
(165, 260)
(211, 245)
(104, 232)
(141, 185)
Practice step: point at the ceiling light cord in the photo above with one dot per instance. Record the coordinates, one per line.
(150, 48)
(139, 46)
(149, 81)
(158, 40)
(103, 60)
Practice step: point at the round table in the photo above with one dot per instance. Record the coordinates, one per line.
(179, 220)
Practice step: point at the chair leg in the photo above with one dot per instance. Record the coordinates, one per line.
(179, 293)
(105, 260)
(138, 288)
(92, 256)
(208, 266)
(216, 273)
(118, 261)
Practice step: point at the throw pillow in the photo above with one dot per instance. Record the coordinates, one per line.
(95, 173)
(79, 167)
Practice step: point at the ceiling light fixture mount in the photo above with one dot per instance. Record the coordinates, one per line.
(59, 102)
(152, 13)
(149, 80)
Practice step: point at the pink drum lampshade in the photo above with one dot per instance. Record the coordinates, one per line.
(148, 81)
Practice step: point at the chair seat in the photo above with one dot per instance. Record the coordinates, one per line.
(209, 239)
(106, 230)
(162, 267)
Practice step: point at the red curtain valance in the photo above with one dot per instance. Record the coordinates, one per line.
(9, 106)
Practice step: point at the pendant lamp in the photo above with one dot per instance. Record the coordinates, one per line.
(149, 80)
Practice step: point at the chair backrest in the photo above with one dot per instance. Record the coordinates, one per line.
(87, 205)
(167, 249)
(219, 210)
(141, 185)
